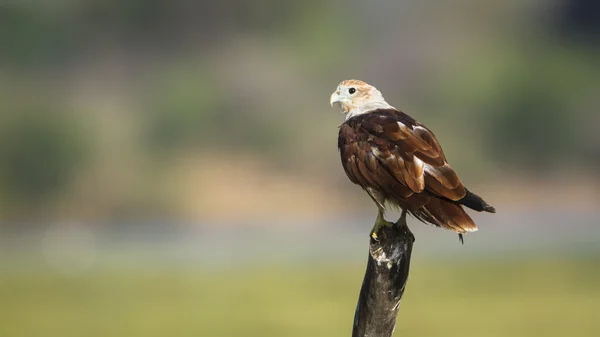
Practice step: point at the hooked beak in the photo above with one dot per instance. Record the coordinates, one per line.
(335, 98)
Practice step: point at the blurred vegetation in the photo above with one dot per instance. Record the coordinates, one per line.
(38, 154)
(113, 112)
(509, 89)
(528, 297)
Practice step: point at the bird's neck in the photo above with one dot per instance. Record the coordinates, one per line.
(368, 107)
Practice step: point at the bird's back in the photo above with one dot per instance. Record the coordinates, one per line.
(388, 151)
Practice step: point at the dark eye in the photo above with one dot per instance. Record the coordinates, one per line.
(351, 91)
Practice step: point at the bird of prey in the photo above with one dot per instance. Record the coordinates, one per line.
(399, 162)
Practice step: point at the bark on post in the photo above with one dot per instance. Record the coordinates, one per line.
(385, 280)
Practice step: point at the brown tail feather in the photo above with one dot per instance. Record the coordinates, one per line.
(448, 215)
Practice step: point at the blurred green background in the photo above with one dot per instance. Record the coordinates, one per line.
(170, 167)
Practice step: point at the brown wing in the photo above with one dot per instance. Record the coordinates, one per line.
(388, 151)
(412, 153)
(363, 166)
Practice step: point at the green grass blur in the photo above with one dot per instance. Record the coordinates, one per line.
(550, 297)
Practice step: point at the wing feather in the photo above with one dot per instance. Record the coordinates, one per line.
(390, 152)
(411, 152)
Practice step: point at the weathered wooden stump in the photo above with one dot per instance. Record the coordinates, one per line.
(385, 280)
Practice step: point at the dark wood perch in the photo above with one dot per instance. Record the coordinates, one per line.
(385, 279)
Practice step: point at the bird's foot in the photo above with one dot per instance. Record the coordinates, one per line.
(380, 223)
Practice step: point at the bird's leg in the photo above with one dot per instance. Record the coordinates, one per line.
(402, 226)
(402, 219)
(379, 223)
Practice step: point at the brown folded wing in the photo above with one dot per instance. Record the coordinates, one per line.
(390, 152)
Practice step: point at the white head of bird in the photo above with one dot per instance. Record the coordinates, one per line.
(356, 97)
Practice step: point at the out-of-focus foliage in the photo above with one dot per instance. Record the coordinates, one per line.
(537, 113)
(42, 149)
(38, 153)
(149, 112)
(507, 87)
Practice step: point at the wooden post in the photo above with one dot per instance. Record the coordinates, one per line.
(385, 279)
